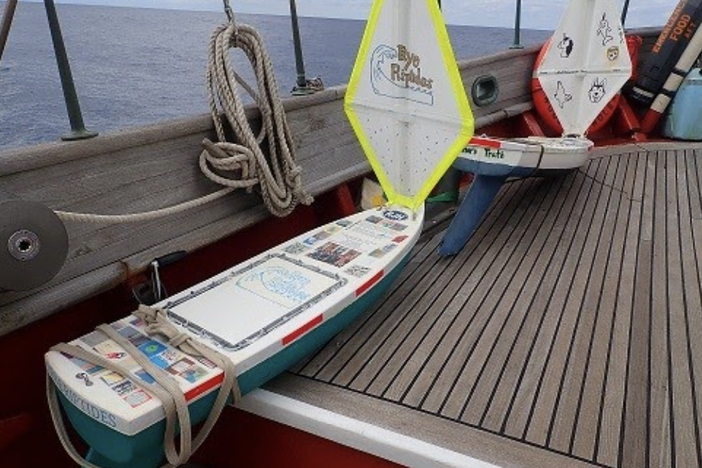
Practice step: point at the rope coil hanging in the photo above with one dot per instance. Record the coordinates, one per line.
(242, 164)
(278, 175)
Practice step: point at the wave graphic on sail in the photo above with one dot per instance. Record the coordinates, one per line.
(388, 78)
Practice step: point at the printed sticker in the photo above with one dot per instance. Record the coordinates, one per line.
(124, 387)
(170, 355)
(180, 366)
(133, 335)
(110, 350)
(193, 374)
(151, 348)
(137, 398)
(145, 376)
(357, 270)
(395, 215)
(86, 366)
(380, 253)
(206, 362)
(296, 248)
(321, 235)
(112, 378)
(288, 287)
(93, 339)
(334, 254)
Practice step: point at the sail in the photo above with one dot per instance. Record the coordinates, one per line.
(406, 101)
(586, 64)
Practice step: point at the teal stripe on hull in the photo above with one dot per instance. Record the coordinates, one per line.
(111, 449)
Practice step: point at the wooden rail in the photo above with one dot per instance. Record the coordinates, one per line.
(155, 166)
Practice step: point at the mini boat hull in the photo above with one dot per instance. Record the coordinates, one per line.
(493, 161)
(120, 436)
(523, 157)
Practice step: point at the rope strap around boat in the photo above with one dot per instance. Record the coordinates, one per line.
(164, 388)
(278, 175)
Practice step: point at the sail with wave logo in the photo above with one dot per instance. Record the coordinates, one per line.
(586, 64)
(406, 101)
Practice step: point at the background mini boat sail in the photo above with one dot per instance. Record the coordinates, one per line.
(586, 64)
(409, 109)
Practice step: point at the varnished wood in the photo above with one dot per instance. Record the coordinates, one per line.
(569, 325)
(156, 166)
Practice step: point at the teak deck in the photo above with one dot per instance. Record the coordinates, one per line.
(568, 332)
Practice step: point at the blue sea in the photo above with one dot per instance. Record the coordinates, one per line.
(138, 66)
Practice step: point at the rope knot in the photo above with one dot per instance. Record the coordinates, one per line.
(275, 169)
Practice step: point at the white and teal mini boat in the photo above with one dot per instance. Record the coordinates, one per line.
(586, 64)
(264, 315)
(269, 312)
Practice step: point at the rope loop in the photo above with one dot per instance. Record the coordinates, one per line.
(277, 173)
(164, 387)
(266, 158)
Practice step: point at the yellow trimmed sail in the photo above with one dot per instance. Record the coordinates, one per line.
(406, 101)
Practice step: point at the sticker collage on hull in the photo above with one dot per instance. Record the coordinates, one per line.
(353, 246)
(174, 362)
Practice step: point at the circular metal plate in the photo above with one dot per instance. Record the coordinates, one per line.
(33, 244)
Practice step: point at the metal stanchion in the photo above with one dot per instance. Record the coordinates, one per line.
(7, 17)
(78, 130)
(517, 27)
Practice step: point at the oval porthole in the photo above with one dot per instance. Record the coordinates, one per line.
(485, 90)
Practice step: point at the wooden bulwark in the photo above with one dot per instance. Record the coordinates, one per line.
(568, 332)
(156, 166)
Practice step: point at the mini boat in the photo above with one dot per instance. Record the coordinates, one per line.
(264, 315)
(579, 73)
(260, 317)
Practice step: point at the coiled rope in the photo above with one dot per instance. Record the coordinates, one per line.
(279, 176)
(165, 388)
(245, 163)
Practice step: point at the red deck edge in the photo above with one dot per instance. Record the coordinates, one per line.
(368, 284)
(204, 387)
(490, 143)
(303, 329)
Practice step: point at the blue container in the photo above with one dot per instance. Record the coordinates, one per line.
(684, 120)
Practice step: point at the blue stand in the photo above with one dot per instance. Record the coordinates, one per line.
(475, 203)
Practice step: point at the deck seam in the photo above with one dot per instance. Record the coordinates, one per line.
(512, 308)
(472, 426)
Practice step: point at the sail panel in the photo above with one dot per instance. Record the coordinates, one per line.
(406, 101)
(586, 64)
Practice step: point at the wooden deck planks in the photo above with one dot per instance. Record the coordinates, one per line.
(612, 391)
(572, 321)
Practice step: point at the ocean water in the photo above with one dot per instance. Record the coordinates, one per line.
(139, 66)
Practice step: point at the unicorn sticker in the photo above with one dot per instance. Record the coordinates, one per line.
(605, 30)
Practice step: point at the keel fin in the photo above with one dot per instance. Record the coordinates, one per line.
(474, 205)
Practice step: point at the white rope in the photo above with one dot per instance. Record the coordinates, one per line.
(144, 216)
(278, 175)
(244, 162)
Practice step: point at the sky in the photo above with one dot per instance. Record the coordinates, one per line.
(536, 14)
